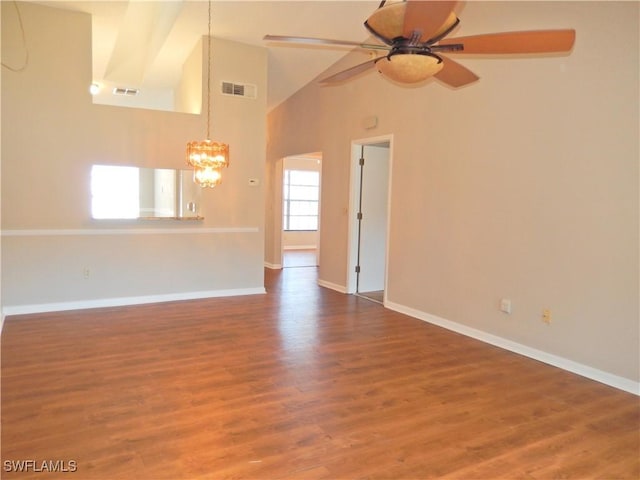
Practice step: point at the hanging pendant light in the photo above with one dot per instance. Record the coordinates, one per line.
(208, 157)
(207, 176)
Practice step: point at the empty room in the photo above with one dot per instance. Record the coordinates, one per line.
(463, 178)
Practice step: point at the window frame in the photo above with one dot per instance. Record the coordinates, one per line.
(287, 200)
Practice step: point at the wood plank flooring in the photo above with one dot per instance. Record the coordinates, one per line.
(377, 296)
(302, 382)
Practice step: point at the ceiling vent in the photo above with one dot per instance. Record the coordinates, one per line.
(129, 92)
(239, 89)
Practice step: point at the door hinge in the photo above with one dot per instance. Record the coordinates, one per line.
(362, 161)
(359, 216)
(357, 268)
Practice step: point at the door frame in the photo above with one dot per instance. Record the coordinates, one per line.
(280, 168)
(354, 191)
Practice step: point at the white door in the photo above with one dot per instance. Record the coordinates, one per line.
(373, 203)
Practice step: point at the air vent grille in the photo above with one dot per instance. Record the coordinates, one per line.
(239, 89)
(130, 92)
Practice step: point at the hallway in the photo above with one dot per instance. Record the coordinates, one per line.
(299, 258)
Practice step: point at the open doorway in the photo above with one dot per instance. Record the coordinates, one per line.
(369, 220)
(301, 210)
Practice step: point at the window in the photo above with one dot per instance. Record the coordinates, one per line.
(105, 180)
(301, 195)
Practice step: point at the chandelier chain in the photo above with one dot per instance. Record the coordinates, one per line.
(209, 74)
(207, 157)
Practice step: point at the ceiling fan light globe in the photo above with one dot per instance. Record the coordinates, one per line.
(387, 21)
(409, 67)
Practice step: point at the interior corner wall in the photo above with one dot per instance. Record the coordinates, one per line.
(273, 223)
(522, 186)
(188, 93)
(54, 254)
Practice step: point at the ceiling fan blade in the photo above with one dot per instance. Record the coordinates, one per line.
(349, 72)
(427, 18)
(454, 74)
(323, 42)
(535, 41)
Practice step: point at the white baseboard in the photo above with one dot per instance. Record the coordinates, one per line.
(123, 301)
(615, 381)
(273, 266)
(332, 286)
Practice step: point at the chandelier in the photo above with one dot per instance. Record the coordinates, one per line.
(208, 157)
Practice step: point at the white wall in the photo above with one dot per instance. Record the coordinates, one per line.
(523, 185)
(292, 240)
(53, 134)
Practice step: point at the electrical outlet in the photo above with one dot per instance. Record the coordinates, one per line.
(546, 316)
(86, 272)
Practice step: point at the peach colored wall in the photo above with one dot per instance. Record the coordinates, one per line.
(1, 310)
(521, 186)
(188, 93)
(52, 134)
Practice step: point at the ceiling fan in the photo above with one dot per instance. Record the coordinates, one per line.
(413, 34)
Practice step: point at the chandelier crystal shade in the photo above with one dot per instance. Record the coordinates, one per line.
(207, 176)
(208, 157)
(207, 154)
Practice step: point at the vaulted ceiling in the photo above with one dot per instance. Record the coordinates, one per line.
(143, 44)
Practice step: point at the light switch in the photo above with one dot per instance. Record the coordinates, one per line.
(505, 305)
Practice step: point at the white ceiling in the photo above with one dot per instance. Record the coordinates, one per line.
(142, 43)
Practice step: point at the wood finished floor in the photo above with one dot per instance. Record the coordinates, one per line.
(303, 382)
